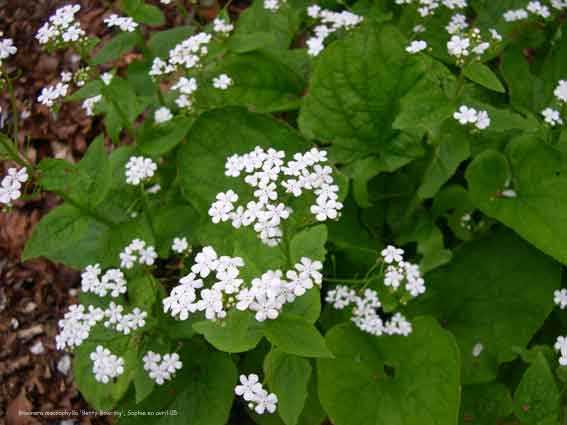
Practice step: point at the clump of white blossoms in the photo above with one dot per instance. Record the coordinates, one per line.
(428, 7)
(77, 323)
(161, 368)
(329, 23)
(139, 169)
(62, 29)
(552, 117)
(222, 82)
(470, 43)
(269, 175)
(50, 95)
(273, 5)
(126, 24)
(106, 366)
(221, 26)
(265, 295)
(11, 185)
(7, 49)
(401, 278)
(162, 115)
(535, 8)
(467, 115)
(514, 15)
(561, 347)
(137, 252)
(252, 391)
(560, 298)
(416, 46)
(112, 283)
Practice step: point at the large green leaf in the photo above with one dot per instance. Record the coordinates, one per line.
(495, 292)
(537, 397)
(356, 90)
(538, 175)
(214, 137)
(309, 243)
(288, 376)
(295, 335)
(201, 393)
(391, 380)
(485, 404)
(116, 47)
(239, 332)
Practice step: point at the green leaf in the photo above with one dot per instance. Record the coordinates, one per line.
(142, 292)
(68, 236)
(175, 220)
(309, 243)
(160, 43)
(538, 175)
(159, 139)
(485, 404)
(287, 376)
(105, 396)
(356, 90)
(116, 47)
(95, 174)
(483, 75)
(307, 306)
(262, 83)
(391, 380)
(537, 397)
(201, 392)
(238, 333)
(452, 148)
(144, 13)
(256, 22)
(487, 295)
(295, 335)
(215, 136)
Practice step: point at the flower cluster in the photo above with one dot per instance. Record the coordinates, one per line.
(106, 366)
(416, 46)
(7, 49)
(273, 5)
(222, 82)
(77, 323)
(330, 22)
(464, 44)
(251, 390)
(137, 251)
(112, 282)
(552, 116)
(139, 169)
(264, 169)
(535, 8)
(161, 368)
(186, 55)
(62, 29)
(11, 185)
(222, 27)
(428, 7)
(265, 296)
(50, 95)
(365, 305)
(467, 115)
(126, 24)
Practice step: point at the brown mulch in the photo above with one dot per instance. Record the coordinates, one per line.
(34, 295)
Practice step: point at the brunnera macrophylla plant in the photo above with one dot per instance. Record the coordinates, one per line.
(308, 213)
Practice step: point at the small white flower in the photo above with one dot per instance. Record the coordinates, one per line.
(552, 117)
(139, 169)
(180, 245)
(162, 115)
(560, 91)
(106, 78)
(515, 15)
(222, 26)
(222, 82)
(560, 298)
(466, 115)
(416, 46)
(458, 46)
(124, 23)
(391, 254)
(106, 366)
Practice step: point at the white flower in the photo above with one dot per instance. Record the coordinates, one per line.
(272, 5)
(205, 262)
(315, 45)
(222, 82)
(162, 115)
(161, 369)
(124, 23)
(211, 303)
(457, 24)
(186, 85)
(391, 254)
(49, 95)
(139, 169)
(552, 117)
(560, 298)
(89, 104)
(179, 245)
(313, 11)
(265, 402)
(310, 269)
(465, 115)
(106, 78)
(416, 46)
(458, 46)
(560, 91)
(539, 9)
(222, 26)
(106, 366)
(7, 48)
(561, 346)
(249, 387)
(9, 193)
(515, 15)
(482, 120)
(477, 349)
(495, 35)
(509, 193)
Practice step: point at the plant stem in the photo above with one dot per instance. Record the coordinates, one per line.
(15, 115)
(146, 208)
(14, 153)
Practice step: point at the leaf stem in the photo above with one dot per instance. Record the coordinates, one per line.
(147, 213)
(83, 209)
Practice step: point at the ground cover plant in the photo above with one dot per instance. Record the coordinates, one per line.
(345, 212)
